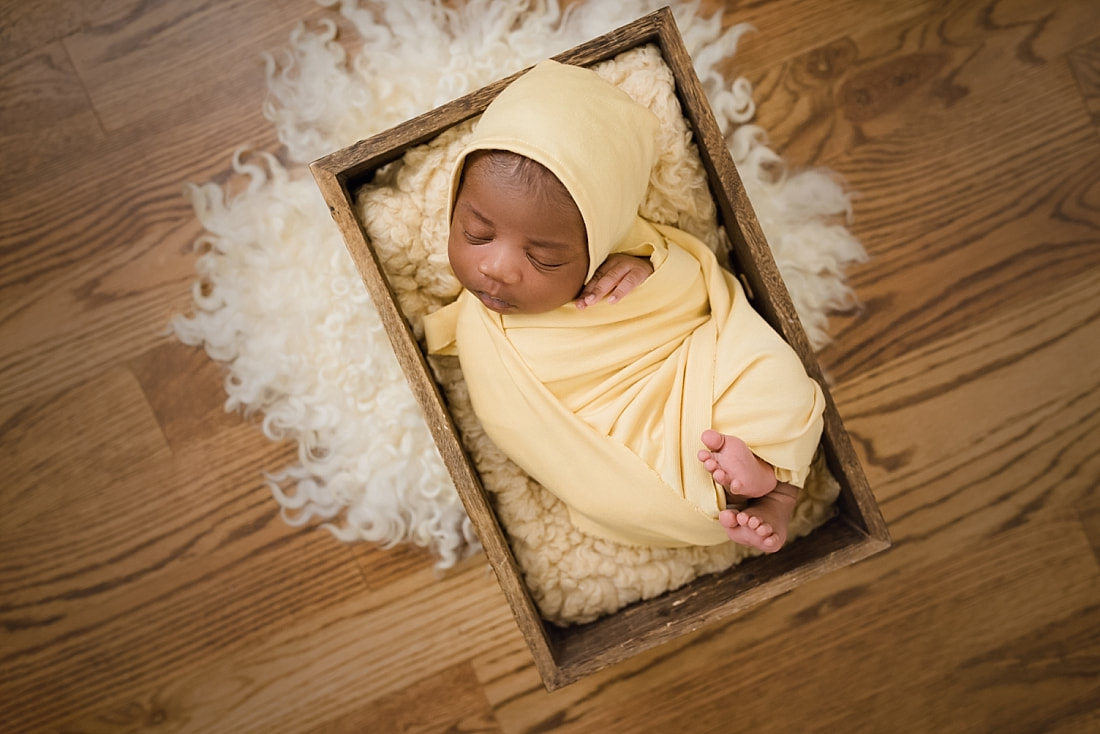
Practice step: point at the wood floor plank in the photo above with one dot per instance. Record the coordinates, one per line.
(1034, 218)
(449, 701)
(148, 583)
(1087, 721)
(912, 115)
(185, 389)
(777, 38)
(877, 80)
(1089, 513)
(105, 588)
(45, 116)
(54, 451)
(28, 27)
(100, 279)
(1085, 62)
(72, 315)
(980, 259)
(153, 56)
(383, 566)
(507, 672)
(989, 427)
(875, 661)
(337, 661)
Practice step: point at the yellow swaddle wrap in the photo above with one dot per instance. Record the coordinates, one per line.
(605, 406)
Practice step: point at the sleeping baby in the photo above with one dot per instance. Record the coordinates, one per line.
(611, 357)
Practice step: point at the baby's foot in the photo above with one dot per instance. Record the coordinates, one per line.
(763, 524)
(734, 466)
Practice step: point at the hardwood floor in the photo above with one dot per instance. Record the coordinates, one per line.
(148, 583)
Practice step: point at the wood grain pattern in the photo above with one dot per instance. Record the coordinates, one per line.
(1085, 62)
(45, 116)
(147, 583)
(28, 27)
(897, 107)
(122, 59)
(420, 708)
(878, 674)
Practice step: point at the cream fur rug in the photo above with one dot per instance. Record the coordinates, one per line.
(279, 302)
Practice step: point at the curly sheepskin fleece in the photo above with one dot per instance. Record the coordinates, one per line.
(278, 302)
(572, 576)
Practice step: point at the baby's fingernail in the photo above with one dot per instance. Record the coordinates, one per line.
(590, 298)
(612, 298)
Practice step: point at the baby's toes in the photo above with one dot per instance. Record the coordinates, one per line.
(712, 439)
(764, 530)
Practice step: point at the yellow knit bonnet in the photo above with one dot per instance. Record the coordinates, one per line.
(599, 142)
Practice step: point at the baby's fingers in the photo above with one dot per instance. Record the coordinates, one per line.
(603, 281)
(630, 280)
(616, 277)
(594, 290)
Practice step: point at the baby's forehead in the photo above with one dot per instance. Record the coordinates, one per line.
(509, 165)
(525, 174)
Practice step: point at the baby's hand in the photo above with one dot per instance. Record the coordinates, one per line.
(618, 275)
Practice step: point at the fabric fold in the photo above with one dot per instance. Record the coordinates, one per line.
(605, 406)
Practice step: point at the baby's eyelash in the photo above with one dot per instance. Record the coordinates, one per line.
(542, 265)
(475, 239)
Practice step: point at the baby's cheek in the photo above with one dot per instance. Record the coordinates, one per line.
(457, 263)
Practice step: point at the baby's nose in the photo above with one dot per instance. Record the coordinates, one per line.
(501, 266)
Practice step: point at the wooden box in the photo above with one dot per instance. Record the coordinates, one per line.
(564, 655)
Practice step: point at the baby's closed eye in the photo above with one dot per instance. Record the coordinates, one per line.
(476, 239)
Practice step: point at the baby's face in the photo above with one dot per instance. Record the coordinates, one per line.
(517, 251)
